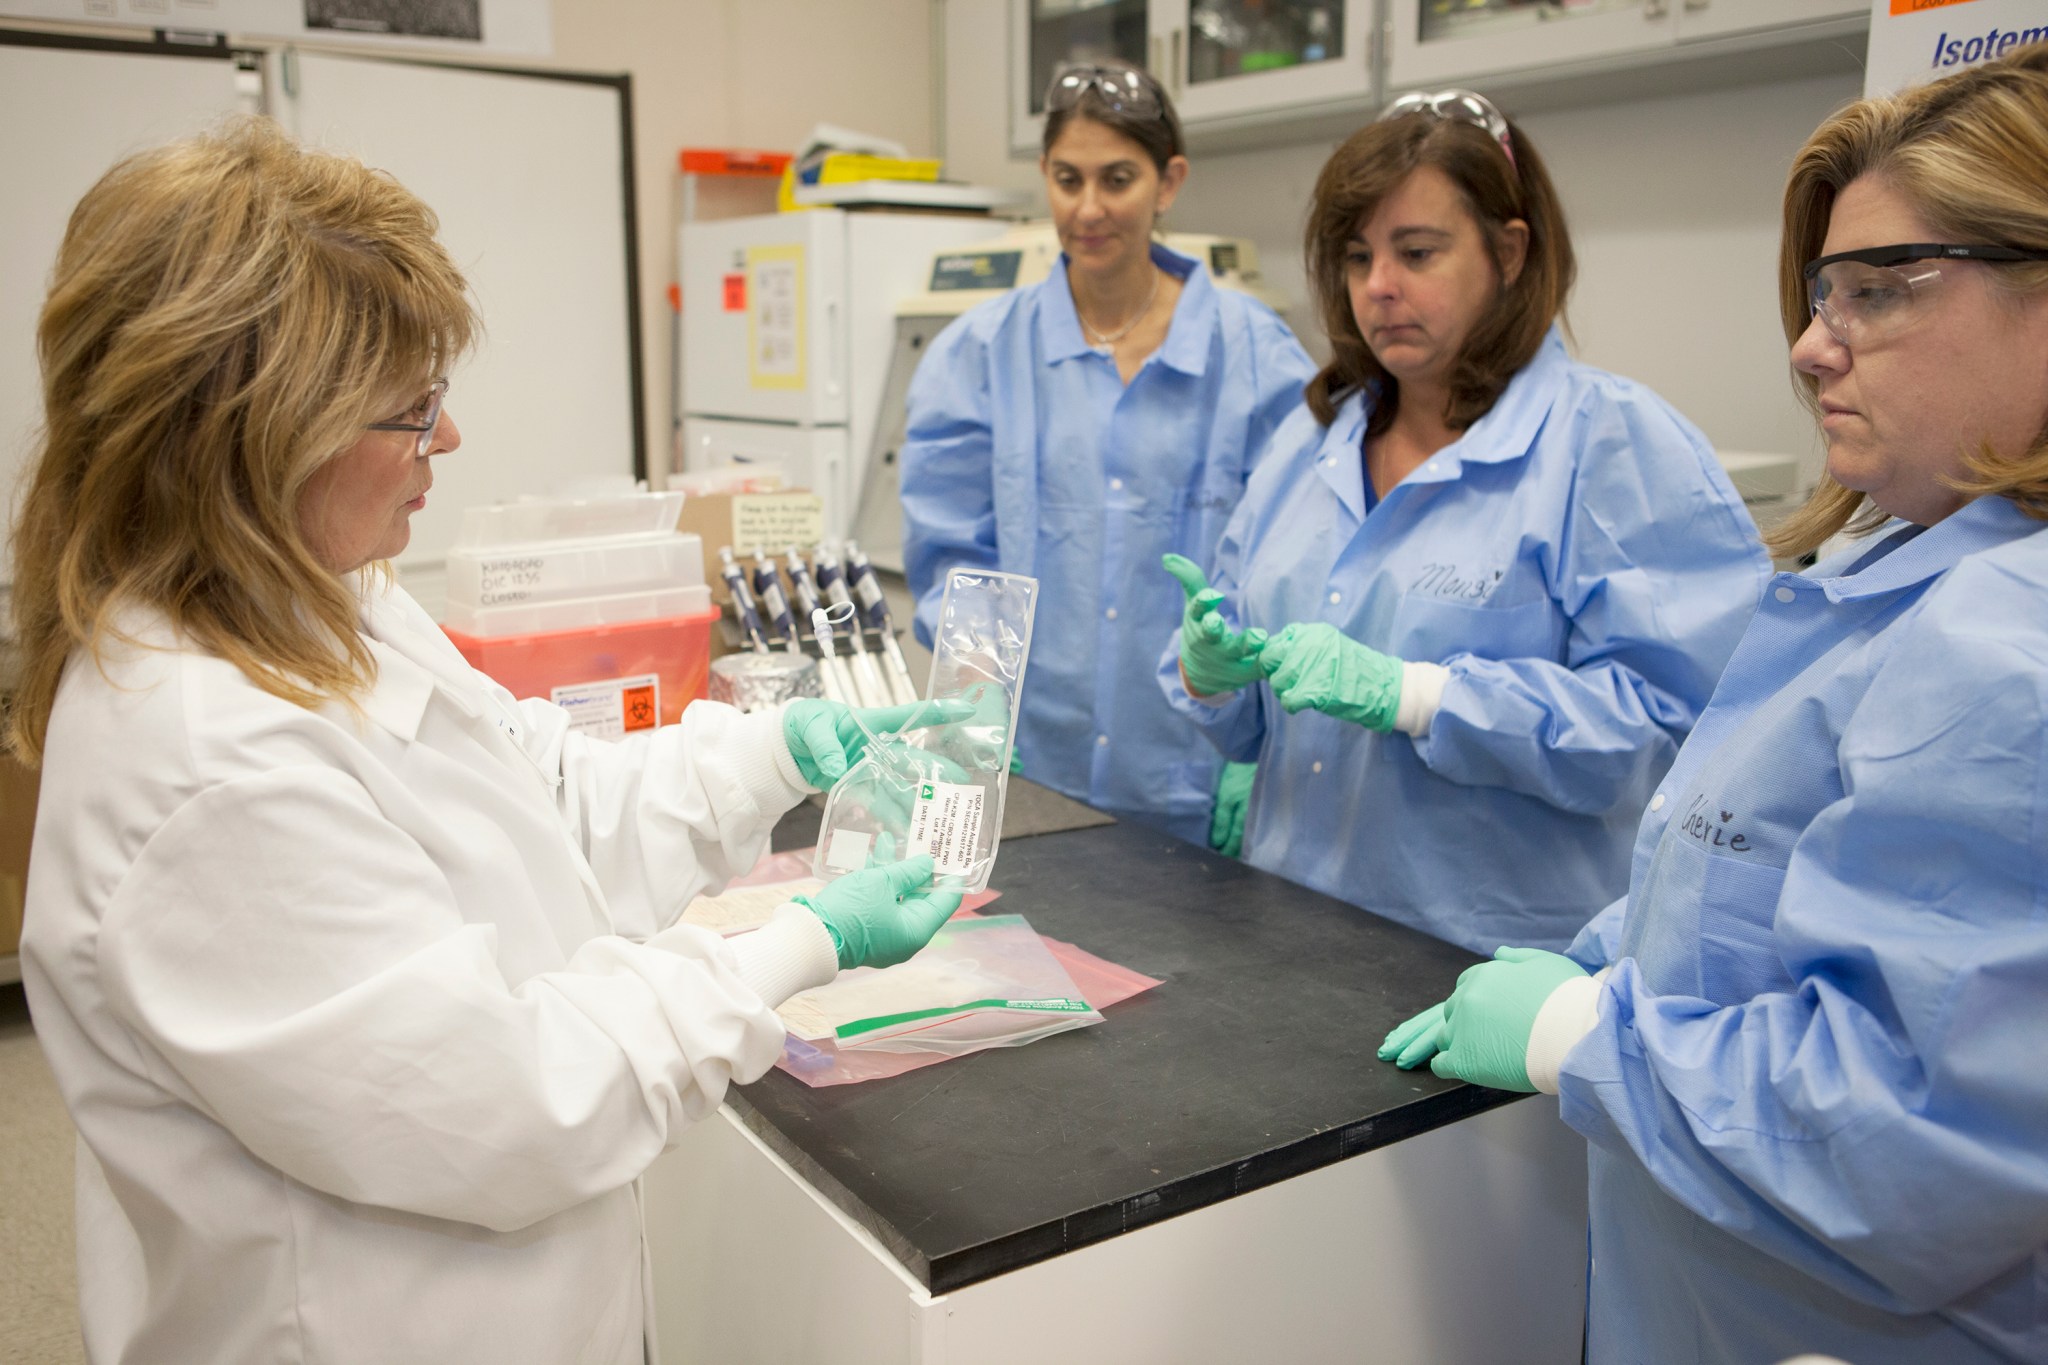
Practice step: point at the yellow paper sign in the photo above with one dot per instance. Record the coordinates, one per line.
(775, 316)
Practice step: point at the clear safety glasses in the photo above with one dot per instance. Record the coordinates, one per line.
(1458, 106)
(1867, 295)
(421, 417)
(1123, 90)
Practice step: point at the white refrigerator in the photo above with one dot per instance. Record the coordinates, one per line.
(788, 328)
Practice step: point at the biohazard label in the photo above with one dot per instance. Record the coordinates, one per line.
(611, 709)
(946, 823)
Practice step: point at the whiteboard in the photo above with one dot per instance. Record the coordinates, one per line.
(528, 175)
(527, 171)
(66, 115)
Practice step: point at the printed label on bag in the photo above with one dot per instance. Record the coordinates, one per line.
(946, 823)
(611, 709)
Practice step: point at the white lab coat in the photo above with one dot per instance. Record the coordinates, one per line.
(348, 1008)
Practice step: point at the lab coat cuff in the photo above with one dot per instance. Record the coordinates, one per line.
(765, 767)
(1568, 1014)
(1422, 692)
(792, 952)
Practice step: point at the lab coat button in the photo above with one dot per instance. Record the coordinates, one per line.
(1335, 598)
(1102, 741)
(1316, 766)
(1657, 801)
(1784, 594)
(1111, 613)
(1116, 485)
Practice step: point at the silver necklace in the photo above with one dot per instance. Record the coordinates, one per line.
(1104, 340)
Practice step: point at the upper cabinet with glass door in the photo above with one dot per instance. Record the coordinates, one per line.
(1046, 35)
(1437, 42)
(1229, 58)
(1223, 61)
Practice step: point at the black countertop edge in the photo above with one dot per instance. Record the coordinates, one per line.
(1028, 1246)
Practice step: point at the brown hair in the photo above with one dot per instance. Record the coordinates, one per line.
(1160, 137)
(1370, 165)
(1971, 155)
(225, 315)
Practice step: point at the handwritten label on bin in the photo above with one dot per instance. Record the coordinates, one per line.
(777, 519)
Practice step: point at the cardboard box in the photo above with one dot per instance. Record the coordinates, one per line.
(774, 521)
(17, 822)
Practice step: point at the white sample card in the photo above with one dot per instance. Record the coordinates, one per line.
(848, 851)
(946, 823)
(613, 708)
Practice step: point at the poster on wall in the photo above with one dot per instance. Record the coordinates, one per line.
(1915, 41)
(525, 27)
(415, 18)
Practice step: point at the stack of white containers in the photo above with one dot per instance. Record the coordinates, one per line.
(599, 604)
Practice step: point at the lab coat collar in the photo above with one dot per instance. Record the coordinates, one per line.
(1186, 347)
(1983, 524)
(1340, 463)
(1507, 431)
(1509, 428)
(409, 667)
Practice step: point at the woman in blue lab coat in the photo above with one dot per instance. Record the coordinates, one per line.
(1078, 429)
(1809, 1065)
(1476, 593)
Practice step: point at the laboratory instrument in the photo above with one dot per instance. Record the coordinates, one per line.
(832, 583)
(831, 669)
(874, 605)
(786, 332)
(743, 607)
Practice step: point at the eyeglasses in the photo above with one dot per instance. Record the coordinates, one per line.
(1122, 89)
(423, 417)
(1869, 294)
(1457, 106)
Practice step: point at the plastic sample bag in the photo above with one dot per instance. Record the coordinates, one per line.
(980, 983)
(940, 789)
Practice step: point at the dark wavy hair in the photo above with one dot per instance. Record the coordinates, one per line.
(1371, 165)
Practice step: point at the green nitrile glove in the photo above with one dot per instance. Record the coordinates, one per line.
(1215, 658)
(1411, 1044)
(882, 916)
(825, 740)
(1489, 1017)
(1233, 794)
(1314, 664)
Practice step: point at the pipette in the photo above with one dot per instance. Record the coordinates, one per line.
(832, 675)
(832, 583)
(875, 608)
(823, 619)
(742, 601)
(774, 605)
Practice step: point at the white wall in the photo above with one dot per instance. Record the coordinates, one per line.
(1673, 205)
(740, 73)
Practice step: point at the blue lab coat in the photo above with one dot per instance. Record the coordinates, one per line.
(1027, 453)
(1579, 562)
(1816, 1094)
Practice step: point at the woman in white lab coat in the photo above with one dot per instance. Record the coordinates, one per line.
(362, 982)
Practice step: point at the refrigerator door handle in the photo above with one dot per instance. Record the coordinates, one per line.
(830, 351)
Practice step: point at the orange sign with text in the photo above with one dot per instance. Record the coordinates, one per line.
(1915, 6)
